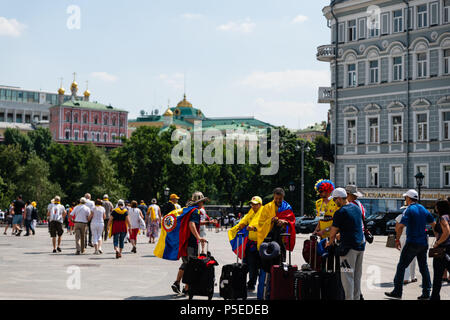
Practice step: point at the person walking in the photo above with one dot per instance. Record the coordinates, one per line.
(153, 221)
(56, 219)
(347, 221)
(415, 220)
(34, 217)
(9, 219)
(118, 223)
(410, 271)
(135, 216)
(97, 220)
(80, 215)
(70, 218)
(91, 205)
(19, 207)
(171, 205)
(28, 217)
(442, 233)
(108, 209)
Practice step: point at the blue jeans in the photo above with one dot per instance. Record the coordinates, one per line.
(409, 252)
(118, 239)
(252, 260)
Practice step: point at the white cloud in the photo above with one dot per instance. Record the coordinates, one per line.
(300, 19)
(286, 80)
(104, 76)
(191, 16)
(246, 26)
(175, 80)
(11, 27)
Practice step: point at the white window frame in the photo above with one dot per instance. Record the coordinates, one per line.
(392, 177)
(362, 28)
(426, 173)
(444, 61)
(442, 175)
(368, 118)
(391, 132)
(442, 125)
(374, 32)
(87, 136)
(393, 67)
(347, 176)
(354, 30)
(434, 6)
(416, 127)
(422, 16)
(385, 24)
(341, 32)
(113, 137)
(369, 75)
(368, 177)
(355, 143)
(76, 135)
(416, 64)
(398, 21)
(445, 11)
(355, 72)
(409, 17)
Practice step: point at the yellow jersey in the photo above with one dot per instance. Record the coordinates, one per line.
(325, 212)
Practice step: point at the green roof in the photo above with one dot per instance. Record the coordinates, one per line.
(90, 105)
(233, 122)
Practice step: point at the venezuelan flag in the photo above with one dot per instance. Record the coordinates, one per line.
(285, 213)
(172, 243)
(236, 238)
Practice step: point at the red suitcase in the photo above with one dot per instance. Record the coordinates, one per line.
(282, 280)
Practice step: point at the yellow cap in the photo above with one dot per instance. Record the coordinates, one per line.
(33, 204)
(174, 196)
(256, 200)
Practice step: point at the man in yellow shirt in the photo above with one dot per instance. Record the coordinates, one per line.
(325, 208)
(251, 257)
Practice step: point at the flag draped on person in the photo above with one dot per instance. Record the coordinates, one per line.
(285, 213)
(175, 232)
(238, 240)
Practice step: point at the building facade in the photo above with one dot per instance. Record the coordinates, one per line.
(389, 97)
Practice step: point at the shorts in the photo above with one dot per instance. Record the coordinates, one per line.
(192, 253)
(9, 221)
(17, 219)
(134, 233)
(55, 228)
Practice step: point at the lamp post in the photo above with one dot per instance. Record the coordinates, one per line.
(166, 193)
(302, 147)
(419, 181)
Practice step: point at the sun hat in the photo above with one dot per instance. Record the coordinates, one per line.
(352, 189)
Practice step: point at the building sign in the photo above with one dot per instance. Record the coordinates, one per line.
(398, 194)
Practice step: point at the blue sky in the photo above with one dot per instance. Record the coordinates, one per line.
(240, 58)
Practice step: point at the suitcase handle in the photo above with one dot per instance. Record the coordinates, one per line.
(289, 241)
(240, 236)
(207, 247)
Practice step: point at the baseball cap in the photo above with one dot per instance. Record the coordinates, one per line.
(120, 203)
(352, 189)
(338, 193)
(256, 200)
(83, 200)
(105, 196)
(174, 196)
(411, 194)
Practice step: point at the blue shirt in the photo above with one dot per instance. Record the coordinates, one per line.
(349, 221)
(415, 219)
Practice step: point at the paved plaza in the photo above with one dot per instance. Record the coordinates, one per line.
(30, 271)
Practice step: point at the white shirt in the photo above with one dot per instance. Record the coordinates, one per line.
(97, 218)
(134, 214)
(56, 212)
(157, 211)
(90, 204)
(49, 207)
(81, 213)
(398, 219)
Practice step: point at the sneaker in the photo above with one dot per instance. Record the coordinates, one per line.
(184, 292)
(58, 249)
(91, 245)
(424, 297)
(100, 251)
(393, 295)
(78, 253)
(117, 255)
(176, 288)
(54, 250)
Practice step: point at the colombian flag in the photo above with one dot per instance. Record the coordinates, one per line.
(236, 238)
(285, 213)
(172, 243)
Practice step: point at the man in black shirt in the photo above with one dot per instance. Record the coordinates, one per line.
(171, 205)
(19, 206)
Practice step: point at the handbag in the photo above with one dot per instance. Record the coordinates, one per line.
(438, 252)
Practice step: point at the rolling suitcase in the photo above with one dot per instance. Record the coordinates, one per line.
(233, 280)
(282, 279)
(310, 253)
(330, 281)
(307, 281)
(199, 275)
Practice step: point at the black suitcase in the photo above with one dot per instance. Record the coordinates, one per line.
(233, 280)
(199, 275)
(307, 281)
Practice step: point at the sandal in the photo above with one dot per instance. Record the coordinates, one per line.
(117, 255)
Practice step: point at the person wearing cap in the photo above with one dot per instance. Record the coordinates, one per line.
(118, 225)
(80, 215)
(56, 219)
(410, 271)
(415, 219)
(108, 209)
(34, 217)
(348, 223)
(197, 200)
(171, 205)
(251, 257)
(153, 221)
(325, 208)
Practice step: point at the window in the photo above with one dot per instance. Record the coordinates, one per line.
(85, 136)
(98, 137)
(84, 118)
(351, 175)
(446, 176)
(373, 130)
(341, 34)
(423, 170)
(93, 136)
(373, 176)
(446, 11)
(351, 131)
(396, 176)
(397, 129)
(385, 23)
(398, 21)
(447, 61)
(76, 135)
(446, 125)
(362, 28)
(351, 30)
(374, 26)
(67, 135)
(113, 136)
(105, 121)
(434, 14)
(421, 65)
(67, 117)
(422, 124)
(75, 118)
(114, 121)
(422, 16)
(373, 69)
(409, 16)
(351, 73)
(105, 137)
(121, 123)
(398, 69)
(95, 120)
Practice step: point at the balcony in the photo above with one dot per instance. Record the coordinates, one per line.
(326, 95)
(325, 53)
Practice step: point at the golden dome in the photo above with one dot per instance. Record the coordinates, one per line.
(61, 91)
(74, 85)
(184, 103)
(87, 93)
(168, 113)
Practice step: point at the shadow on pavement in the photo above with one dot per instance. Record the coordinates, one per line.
(385, 285)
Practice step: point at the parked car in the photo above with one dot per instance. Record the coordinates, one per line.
(390, 226)
(308, 224)
(377, 223)
(298, 221)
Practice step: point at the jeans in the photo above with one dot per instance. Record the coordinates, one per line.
(28, 226)
(409, 252)
(119, 239)
(105, 231)
(252, 260)
(439, 265)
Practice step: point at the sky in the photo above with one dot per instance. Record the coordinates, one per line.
(233, 58)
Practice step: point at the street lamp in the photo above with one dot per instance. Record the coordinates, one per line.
(302, 184)
(419, 181)
(166, 193)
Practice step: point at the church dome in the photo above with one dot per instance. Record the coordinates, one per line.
(184, 103)
(168, 113)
